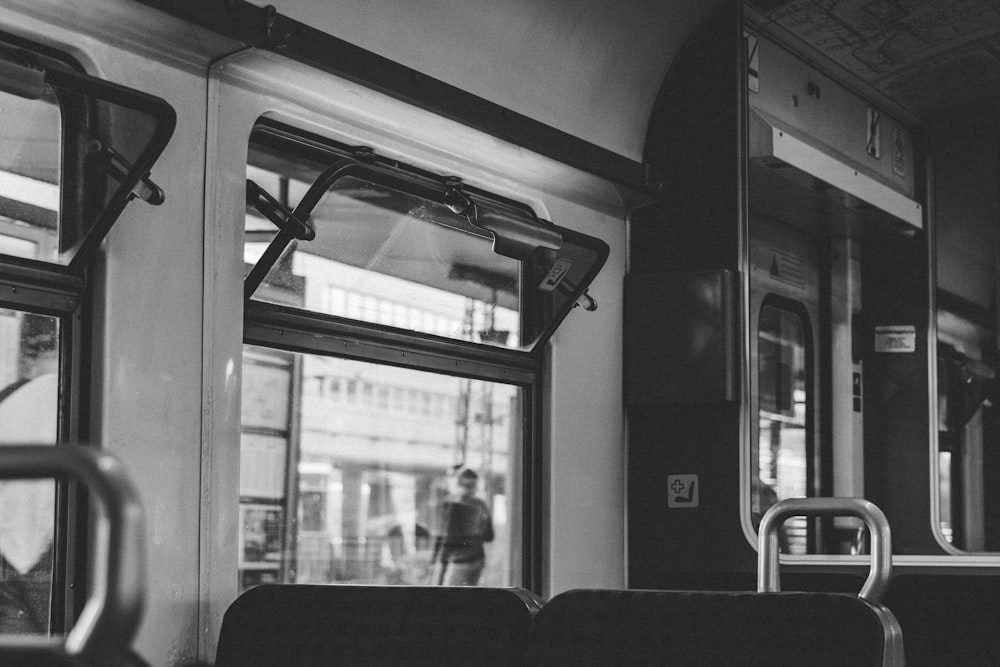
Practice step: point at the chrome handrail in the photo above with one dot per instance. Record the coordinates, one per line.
(768, 575)
(113, 611)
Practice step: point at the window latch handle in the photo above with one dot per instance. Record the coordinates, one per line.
(145, 189)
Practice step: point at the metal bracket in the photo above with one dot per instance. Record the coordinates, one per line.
(364, 154)
(455, 197)
(586, 301)
(145, 189)
(276, 39)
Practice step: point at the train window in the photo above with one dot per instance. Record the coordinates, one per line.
(75, 151)
(784, 440)
(30, 174)
(354, 490)
(848, 235)
(391, 374)
(966, 423)
(966, 461)
(421, 253)
(389, 286)
(29, 413)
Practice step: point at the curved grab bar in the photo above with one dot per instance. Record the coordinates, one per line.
(113, 611)
(768, 576)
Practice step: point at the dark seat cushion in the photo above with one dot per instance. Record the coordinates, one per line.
(597, 627)
(303, 625)
(948, 619)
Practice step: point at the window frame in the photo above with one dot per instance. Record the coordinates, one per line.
(43, 288)
(69, 75)
(361, 162)
(68, 293)
(296, 330)
(799, 310)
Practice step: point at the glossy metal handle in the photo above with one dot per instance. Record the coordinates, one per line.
(114, 608)
(768, 576)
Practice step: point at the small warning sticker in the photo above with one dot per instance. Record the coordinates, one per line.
(682, 491)
(555, 275)
(787, 268)
(900, 339)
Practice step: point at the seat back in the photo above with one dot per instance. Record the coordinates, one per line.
(948, 619)
(769, 627)
(303, 625)
(700, 628)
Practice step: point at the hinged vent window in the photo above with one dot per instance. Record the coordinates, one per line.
(74, 150)
(412, 251)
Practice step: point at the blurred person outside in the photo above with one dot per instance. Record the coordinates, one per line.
(464, 524)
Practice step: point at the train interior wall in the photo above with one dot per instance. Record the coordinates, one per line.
(693, 146)
(148, 367)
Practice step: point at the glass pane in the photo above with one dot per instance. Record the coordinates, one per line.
(782, 453)
(29, 383)
(385, 256)
(126, 135)
(355, 472)
(70, 157)
(944, 497)
(967, 428)
(30, 175)
(105, 143)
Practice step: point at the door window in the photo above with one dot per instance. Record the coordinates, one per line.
(783, 443)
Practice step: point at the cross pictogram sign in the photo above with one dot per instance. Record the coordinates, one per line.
(682, 491)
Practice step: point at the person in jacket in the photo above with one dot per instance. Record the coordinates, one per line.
(464, 524)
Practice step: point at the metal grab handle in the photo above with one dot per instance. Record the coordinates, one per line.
(768, 576)
(113, 611)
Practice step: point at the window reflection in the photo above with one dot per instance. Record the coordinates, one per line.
(383, 256)
(30, 153)
(966, 423)
(782, 446)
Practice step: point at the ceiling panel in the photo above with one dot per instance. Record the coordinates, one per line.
(924, 55)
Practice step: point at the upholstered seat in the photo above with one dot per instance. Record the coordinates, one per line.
(305, 625)
(604, 627)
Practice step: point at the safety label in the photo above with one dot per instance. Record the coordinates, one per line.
(682, 491)
(787, 268)
(556, 275)
(898, 339)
